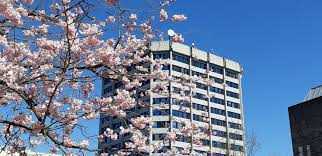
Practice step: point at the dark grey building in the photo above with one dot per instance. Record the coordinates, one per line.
(306, 124)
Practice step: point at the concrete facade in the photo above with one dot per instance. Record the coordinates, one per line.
(217, 105)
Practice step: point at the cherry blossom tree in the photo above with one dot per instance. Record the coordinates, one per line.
(53, 52)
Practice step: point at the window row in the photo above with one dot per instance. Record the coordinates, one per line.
(205, 142)
(161, 55)
(233, 104)
(232, 94)
(199, 118)
(219, 133)
(159, 136)
(235, 125)
(236, 147)
(217, 90)
(218, 111)
(234, 115)
(203, 64)
(166, 100)
(199, 63)
(232, 84)
(181, 114)
(235, 136)
(177, 125)
(183, 138)
(180, 70)
(161, 112)
(160, 124)
(200, 107)
(178, 102)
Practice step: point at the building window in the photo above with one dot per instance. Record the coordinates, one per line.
(219, 133)
(232, 73)
(200, 107)
(160, 112)
(232, 84)
(236, 147)
(181, 114)
(158, 136)
(217, 100)
(180, 102)
(181, 58)
(176, 90)
(205, 142)
(161, 55)
(216, 80)
(180, 70)
(235, 136)
(200, 96)
(199, 118)
(234, 115)
(218, 122)
(232, 94)
(218, 154)
(161, 101)
(233, 104)
(177, 125)
(160, 124)
(216, 68)
(218, 111)
(201, 86)
(165, 67)
(199, 63)
(235, 125)
(195, 73)
(219, 144)
(217, 90)
(182, 138)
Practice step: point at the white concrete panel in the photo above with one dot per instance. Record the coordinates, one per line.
(199, 54)
(216, 60)
(181, 48)
(160, 118)
(160, 130)
(160, 46)
(233, 65)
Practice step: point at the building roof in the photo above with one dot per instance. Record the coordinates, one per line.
(195, 53)
(314, 93)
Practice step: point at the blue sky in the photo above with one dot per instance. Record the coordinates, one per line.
(278, 42)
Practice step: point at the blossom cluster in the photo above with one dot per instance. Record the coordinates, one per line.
(51, 59)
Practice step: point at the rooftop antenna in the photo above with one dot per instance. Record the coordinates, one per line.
(171, 33)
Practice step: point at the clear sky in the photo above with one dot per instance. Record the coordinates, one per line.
(278, 42)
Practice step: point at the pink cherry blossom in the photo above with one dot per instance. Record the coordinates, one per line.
(178, 38)
(172, 136)
(140, 122)
(28, 1)
(163, 15)
(179, 18)
(52, 62)
(112, 2)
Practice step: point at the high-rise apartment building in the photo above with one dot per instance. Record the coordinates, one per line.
(306, 124)
(217, 105)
